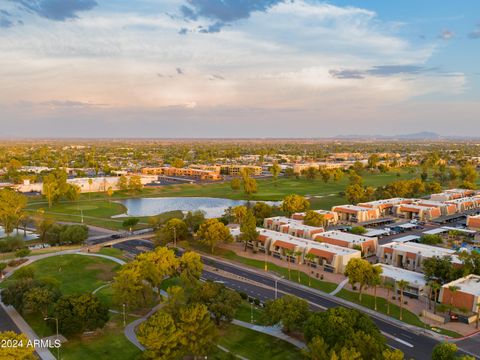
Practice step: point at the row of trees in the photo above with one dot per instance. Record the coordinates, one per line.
(55, 187)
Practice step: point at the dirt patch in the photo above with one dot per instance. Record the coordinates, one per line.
(105, 272)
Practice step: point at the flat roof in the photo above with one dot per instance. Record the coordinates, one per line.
(407, 238)
(352, 207)
(397, 274)
(406, 226)
(391, 201)
(469, 284)
(344, 236)
(433, 203)
(375, 232)
(423, 250)
(338, 250)
(296, 224)
(435, 231)
(278, 236)
(467, 231)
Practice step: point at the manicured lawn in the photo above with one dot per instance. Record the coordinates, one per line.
(368, 301)
(256, 346)
(114, 252)
(109, 343)
(76, 274)
(244, 313)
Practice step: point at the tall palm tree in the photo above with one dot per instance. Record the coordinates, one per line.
(402, 284)
(375, 281)
(288, 254)
(297, 255)
(311, 258)
(435, 286)
(389, 286)
(478, 314)
(452, 289)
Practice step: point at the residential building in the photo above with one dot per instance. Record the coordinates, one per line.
(445, 207)
(452, 194)
(292, 227)
(466, 294)
(356, 214)
(368, 245)
(419, 212)
(410, 255)
(236, 170)
(465, 204)
(417, 285)
(385, 207)
(473, 222)
(183, 172)
(331, 257)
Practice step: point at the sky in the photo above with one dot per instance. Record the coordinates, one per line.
(238, 68)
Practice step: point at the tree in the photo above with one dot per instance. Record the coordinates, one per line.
(374, 281)
(310, 258)
(288, 310)
(194, 220)
(79, 313)
(72, 192)
(160, 336)
(358, 230)
(311, 173)
(122, 183)
(373, 161)
(294, 203)
(38, 299)
(21, 352)
(275, 170)
(468, 173)
(359, 271)
(249, 186)
(317, 349)
(347, 328)
(130, 223)
(156, 266)
(135, 183)
(222, 303)
(393, 354)
(248, 229)
(431, 239)
(355, 193)
(130, 289)
(73, 234)
(289, 254)
(55, 186)
(173, 231)
(390, 287)
(239, 213)
(212, 232)
(445, 351)
(435, 287)
(439, 269)
(190, 268)
(12, 205)
(198, 332)
(313, 218)
(402, 284)
(261, 210)
(235, 184)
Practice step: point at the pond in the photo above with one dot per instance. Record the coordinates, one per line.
(212, 207)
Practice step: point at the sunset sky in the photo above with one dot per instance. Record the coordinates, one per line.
(231, 68)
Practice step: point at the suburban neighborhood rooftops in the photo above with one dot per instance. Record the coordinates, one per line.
(351, 208)
(338, 250)
(427, 251)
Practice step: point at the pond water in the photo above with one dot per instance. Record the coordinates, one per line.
(27, 237)
(213, 207)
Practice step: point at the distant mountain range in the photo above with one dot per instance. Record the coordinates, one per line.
(425, 135)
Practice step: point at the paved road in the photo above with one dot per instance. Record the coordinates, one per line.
(6, 323)
(404, 337)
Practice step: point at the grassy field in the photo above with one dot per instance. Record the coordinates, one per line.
(75, 274)
(244, 313)
(255, 345)
(109, 343)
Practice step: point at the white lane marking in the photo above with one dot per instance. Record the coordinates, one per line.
(397, 339)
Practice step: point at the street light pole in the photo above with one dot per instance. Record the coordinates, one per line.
(124, 316)
(58, 338)
(174, 237)
(251, 313)
(276, 286)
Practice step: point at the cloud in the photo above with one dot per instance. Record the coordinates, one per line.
(59, 10)
(223, 12)
(179, 71)
(475, 34)
(5, 19)
(183, 31)
(380, 70)
(446, 35)
(216, 77)
(58, 104)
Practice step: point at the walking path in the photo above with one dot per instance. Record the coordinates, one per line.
(274, 331)
(339, 287)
